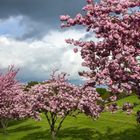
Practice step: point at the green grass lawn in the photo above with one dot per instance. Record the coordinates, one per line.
(118, 126)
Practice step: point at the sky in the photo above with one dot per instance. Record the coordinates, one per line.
(32, 40)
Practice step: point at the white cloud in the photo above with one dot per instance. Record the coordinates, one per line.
(37, 58)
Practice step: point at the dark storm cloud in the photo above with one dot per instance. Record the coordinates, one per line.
(44, 14)
(39, 9)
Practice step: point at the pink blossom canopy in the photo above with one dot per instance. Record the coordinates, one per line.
(113, 60)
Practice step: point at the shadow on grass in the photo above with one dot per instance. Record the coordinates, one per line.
(14, 122)
(128, 134)
(23, 128)
(11, 123)
(87, 134)
(71, 133)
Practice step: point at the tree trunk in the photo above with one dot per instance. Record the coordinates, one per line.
(53, 135)
(4, 124)
(0, 125)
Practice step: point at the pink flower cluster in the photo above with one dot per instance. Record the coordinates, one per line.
(14, 103)
(113, 98)
(60, 97)
(128, 107)
(113, 107)
(113, 61)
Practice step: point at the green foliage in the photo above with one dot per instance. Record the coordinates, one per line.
(30, 84)
(101, 90)
(103, 93)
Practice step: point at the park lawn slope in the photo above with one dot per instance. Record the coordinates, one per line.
(118, 126)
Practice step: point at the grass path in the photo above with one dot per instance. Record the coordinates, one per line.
(118, 126)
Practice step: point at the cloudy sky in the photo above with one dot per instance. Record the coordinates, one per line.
(31, 38)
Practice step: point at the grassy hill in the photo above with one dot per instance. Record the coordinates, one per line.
(118, 126)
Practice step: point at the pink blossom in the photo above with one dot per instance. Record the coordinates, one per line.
(64, 17)
(75, 50)
(113, 98)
